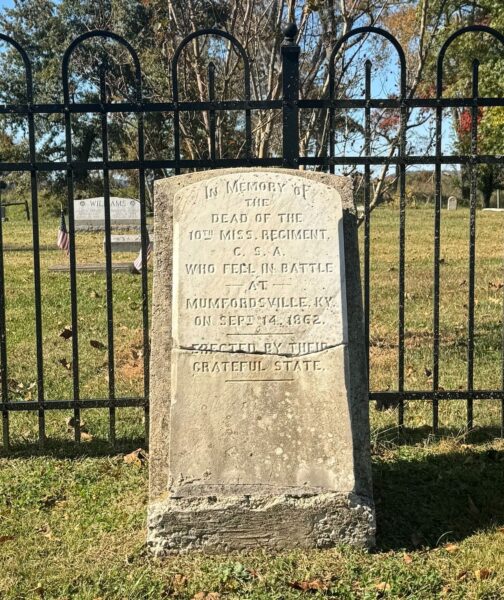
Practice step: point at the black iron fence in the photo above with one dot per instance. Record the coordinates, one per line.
(290, 105)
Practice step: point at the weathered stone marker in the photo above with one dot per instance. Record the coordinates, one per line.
(89, 213)
(451, 203)
(259, 408)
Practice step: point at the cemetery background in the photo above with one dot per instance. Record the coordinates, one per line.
(423, 482)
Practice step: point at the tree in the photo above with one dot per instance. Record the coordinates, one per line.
(458, 68)
(155, 29)
(45, 28)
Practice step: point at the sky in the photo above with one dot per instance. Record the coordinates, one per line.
(378, 89)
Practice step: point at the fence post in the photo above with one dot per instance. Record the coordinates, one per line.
(290, 92)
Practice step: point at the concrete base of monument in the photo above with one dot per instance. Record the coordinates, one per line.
(215, 525)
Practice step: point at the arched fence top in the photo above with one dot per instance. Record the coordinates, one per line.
(441, 56)
(219, 33)
(98, 33)
(26, 61)
(367, 30)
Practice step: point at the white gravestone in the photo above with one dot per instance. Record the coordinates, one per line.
(452, 203)
(259, 432)
(89, 213)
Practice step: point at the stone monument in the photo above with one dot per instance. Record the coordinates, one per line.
(259, 432)
(89, 213)
(451, 203)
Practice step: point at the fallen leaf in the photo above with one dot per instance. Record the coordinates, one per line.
(97, 344)
(66, 333)
(6, 538)
(50, 500)
(407, 559)
(462, 576)
(205, 596)
(427, 372)
(445, 590)
(309, 586)
(383, 586)
(138, 457)
(482, 574)
(85, 436)
(72, 424)
(46, 531)
(65, 363)
(500, 529)
(94, 294)
(451, 548)
(179, 580)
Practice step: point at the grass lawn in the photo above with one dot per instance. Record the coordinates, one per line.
(72, 520)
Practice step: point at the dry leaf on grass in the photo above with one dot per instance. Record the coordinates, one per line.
(309, 586)
(482, 574)
(97, 344)
(138, 457)
(46, 531)
(407, 559)
(6, 538)
(66, 333)
(65, 363)
(205, 596)
(85, 436)
(383, 587)
(451, 548)
(71, 423)
(179, 580)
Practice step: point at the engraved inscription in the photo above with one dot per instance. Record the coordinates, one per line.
(258, 266)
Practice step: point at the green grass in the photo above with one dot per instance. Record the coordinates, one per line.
(75, 528)
(72, 520)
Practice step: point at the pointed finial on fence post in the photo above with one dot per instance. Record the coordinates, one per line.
(290, 32)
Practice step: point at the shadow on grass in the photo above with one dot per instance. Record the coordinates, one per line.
(68, 449)
(428, 499)
(397, 436)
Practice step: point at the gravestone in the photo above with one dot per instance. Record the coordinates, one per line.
(125, 243)
(259, 430)
(89, 213)
(452, 203)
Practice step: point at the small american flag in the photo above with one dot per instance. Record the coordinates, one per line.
(63, 241)
(137, 265)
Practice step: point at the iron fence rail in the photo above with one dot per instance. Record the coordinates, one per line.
(290, 106)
